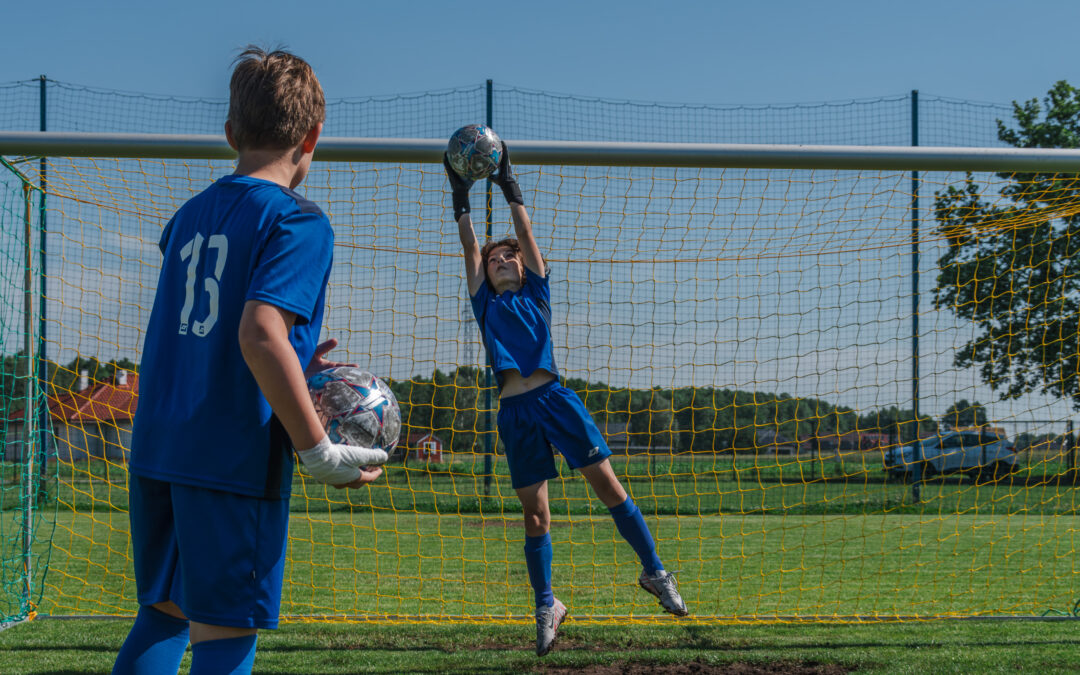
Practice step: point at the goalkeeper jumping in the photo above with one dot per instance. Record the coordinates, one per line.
(511, 300)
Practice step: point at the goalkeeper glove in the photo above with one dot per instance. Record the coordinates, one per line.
(339, 464)
(505, 179)
(459, 188)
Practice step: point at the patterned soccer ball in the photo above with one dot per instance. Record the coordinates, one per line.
(356, 407)
(474, 151)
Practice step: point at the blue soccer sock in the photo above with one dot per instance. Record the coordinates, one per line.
(632, 527)
(231, 656)
(156, 644)
(538, 560)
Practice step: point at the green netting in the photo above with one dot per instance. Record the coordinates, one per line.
(26, 511)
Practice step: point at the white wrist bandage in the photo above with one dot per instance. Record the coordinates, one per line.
(339, 464)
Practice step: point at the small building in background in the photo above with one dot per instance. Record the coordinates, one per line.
(424, 447)
(94, 421)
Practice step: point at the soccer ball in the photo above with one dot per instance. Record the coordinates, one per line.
(474, 151)
(356, 407)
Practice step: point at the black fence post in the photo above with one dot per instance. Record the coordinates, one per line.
(916, 484)
(489, 446)
(42, 368)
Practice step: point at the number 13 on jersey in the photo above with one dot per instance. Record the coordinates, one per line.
(192, 252)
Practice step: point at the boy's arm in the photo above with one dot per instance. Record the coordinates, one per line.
(530, 252)
(474, 266)
(506, 180)
(264, 342)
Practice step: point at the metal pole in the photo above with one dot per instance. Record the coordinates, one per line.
(916, 484)
(28, 409)
(489, 449)
(42, 370)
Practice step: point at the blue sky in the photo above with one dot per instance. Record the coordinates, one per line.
(690, 52)
(781, 51)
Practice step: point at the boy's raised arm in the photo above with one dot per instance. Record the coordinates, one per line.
(506, 180)
(474, 266)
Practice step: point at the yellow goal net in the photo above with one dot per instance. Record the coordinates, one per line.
(837, 385)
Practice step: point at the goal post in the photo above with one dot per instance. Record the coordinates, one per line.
(737, 318)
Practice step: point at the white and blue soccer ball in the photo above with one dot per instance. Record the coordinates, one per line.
(356, 407)
(474, 151)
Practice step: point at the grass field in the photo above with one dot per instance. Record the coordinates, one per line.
(378, 563)
(755, 541)
(47, 646)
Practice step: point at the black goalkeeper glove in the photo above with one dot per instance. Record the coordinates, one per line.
(505, 179)
(459, 189)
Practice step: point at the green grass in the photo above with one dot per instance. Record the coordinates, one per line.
(89, 646)
(381, 563)
(1006, 548)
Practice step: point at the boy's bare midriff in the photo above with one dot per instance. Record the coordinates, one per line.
(514, 384)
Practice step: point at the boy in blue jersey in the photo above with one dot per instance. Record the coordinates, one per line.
(223, 396)
(511, 300)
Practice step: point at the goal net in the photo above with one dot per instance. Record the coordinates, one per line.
(758, 345)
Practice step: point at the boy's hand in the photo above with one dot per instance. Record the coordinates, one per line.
(459, 189)
(342, 465)
(367, 475)
(505, 178)
(319, 364)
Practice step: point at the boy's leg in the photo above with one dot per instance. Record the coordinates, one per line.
(222, 650)
(534, 504)
(159, 637)
(631, 525)
(156, 644)
(549, 611)
(627, 516)
(233, 554)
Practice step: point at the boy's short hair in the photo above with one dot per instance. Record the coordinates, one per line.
(509, 243)
(274, 100)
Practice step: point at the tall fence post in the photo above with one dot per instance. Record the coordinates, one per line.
(489, 447)
(917, 483)
(27, 458)
(42, 368)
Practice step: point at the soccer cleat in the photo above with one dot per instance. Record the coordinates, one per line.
(662, 585)
(548, 620)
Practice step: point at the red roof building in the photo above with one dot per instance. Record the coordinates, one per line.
(94, 422)
(112, 401)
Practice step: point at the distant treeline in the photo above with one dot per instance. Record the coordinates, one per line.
(459, 408)
(687, 419)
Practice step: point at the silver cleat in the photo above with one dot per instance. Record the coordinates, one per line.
(548, 620)
(662, 585)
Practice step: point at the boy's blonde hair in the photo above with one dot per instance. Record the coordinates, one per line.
(274, 100)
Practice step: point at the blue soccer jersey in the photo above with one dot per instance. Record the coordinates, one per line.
(516, 326)
(202, 419)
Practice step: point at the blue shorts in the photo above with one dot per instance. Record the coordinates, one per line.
(219, 556)
(531, 424)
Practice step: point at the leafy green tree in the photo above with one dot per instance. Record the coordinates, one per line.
(899, 423)
(964, 414)
(1012, 266)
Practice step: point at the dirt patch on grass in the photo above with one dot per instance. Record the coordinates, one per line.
(699, 668)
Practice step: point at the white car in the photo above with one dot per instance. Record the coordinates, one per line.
(974, 452)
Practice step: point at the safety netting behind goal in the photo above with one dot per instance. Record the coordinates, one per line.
(745, 339)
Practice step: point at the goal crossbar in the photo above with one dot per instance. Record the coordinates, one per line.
(579, 153)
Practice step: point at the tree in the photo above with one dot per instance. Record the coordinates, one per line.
(1012, 266)
(898, 423)
(964, 414)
